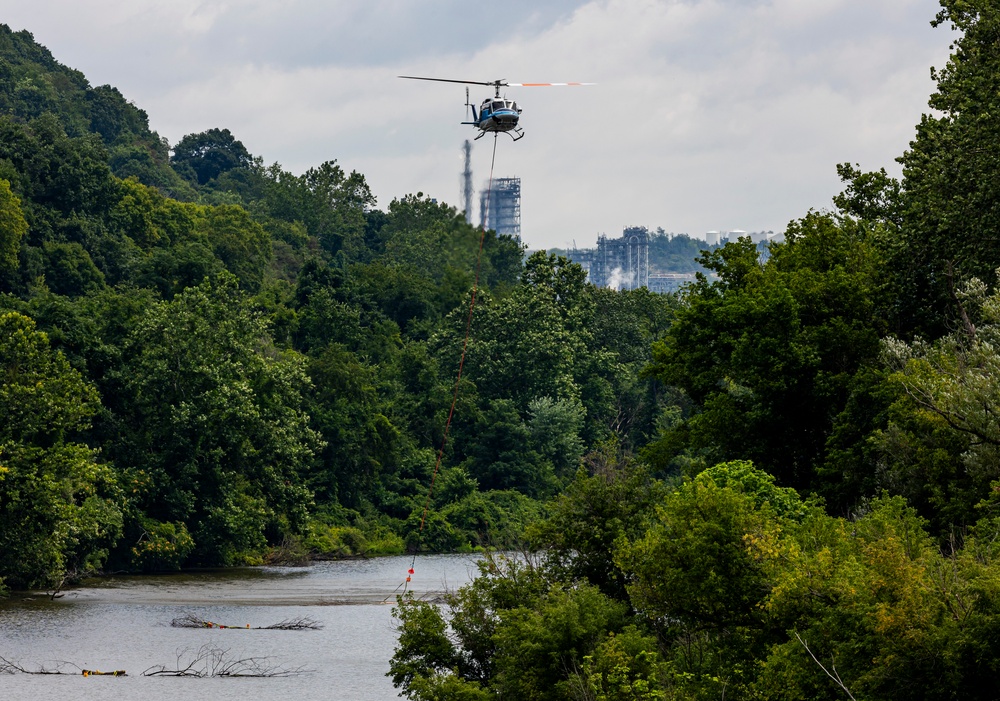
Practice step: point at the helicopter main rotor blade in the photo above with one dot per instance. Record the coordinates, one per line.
(542, 85)
(449, 80)
(501, 83)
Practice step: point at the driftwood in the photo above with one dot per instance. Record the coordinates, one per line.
(214, 661)
(189, 620)
(64, 668)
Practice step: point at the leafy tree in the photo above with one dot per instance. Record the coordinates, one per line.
(239, 242)
(424, 645)
(514, 634)
(35, 83)
(614, 498)
(627, 323)
(431, 237)
(65, 188)
(336, 206)
(171, 270)
(42, 397)
(555, 428)
(13, 228)
(625, 667)
(941, 446)
(161, 547)
(60, 508)
(949, 201)
(769, 351)
(870, 197)
(537, 645)
(207, 155)
(529, 344)
(149, 218)
(328, 319)
(114, 117)
(874, 600)
(361, 440)
(149, 165)
(701, 565)
(758, 486)
(502, 455)
(213, 428)
(57, 175)
(403, 293)
(69, 269)
(330, 203)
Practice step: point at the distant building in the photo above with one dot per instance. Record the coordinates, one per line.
(500, 207)
(622, 264)
(669, 282)
(714, 238)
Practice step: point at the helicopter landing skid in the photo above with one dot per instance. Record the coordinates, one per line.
(497, 132)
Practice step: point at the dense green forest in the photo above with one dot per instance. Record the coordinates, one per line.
(206, 360)
(818, 513)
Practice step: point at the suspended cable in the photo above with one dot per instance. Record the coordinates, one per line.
(461, 364)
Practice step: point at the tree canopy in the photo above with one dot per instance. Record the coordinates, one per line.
(273, 356)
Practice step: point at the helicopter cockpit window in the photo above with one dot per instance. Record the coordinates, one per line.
(498, 105)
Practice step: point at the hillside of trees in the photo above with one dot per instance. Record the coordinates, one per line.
(206, 360)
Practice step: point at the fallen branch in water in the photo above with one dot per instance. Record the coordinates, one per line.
(11, 667)
(300, 623)
(214, 661)
(189, 620)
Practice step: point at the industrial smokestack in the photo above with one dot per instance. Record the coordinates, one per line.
(467, 180)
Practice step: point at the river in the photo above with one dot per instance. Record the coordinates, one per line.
(124, 623)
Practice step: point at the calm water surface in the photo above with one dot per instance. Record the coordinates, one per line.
(124, 623)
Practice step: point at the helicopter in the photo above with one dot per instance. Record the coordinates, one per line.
(496, 114)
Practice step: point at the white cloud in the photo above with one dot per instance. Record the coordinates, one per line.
(709, 114)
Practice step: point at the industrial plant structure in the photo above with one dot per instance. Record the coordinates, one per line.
(467, 180)
(500, 207)
(665, 283)
(622, 263)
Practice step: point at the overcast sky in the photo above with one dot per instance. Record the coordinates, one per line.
(707, 114)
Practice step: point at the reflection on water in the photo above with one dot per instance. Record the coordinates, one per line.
(124, 623)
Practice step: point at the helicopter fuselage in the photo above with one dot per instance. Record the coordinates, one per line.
(496, 114)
